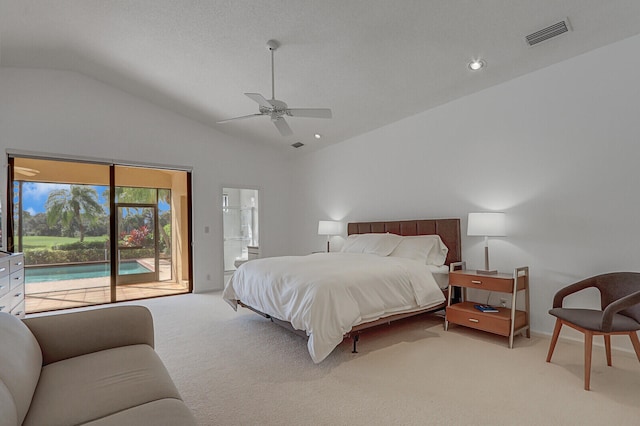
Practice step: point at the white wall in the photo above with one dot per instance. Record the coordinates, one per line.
(557, 150)
(65, 113)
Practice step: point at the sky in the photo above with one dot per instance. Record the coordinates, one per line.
(34, 196)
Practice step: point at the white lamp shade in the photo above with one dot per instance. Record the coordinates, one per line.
(486, 224)
(329, 227)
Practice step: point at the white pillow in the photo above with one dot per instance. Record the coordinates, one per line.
(414, 247)
(438, 254)
(380, 244)
(426, 248)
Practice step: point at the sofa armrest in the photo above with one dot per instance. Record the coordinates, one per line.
(63, 336)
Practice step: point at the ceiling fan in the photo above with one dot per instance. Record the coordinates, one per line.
(277, 109)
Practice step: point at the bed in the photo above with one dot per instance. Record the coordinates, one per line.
(387, 271)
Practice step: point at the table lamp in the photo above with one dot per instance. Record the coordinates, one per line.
(486, 224)
(329, 228)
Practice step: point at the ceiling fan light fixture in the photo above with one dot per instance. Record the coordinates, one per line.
(477, 64)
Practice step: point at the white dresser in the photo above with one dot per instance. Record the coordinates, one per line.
(12, 283)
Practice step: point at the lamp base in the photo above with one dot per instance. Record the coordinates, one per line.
(485, 272)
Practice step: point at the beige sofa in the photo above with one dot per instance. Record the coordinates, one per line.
(95, 367)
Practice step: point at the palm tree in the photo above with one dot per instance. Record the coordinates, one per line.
(76, 203)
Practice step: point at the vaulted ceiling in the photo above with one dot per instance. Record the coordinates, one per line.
(372, 62)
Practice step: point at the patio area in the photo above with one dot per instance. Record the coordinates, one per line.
(64, 294)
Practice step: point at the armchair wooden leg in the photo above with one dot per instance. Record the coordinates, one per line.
(607, 347)
(636, 343)
(588, 345)
(554, 339)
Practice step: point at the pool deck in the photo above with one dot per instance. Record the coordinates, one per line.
(48, 296)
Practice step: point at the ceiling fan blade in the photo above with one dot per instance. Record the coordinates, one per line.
(238, 118)
(260, 100)
(283, 127)
(309, 112)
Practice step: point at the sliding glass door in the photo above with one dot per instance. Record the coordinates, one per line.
(98, 233)
(137, 260)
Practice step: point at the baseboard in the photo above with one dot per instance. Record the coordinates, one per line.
(618, 343)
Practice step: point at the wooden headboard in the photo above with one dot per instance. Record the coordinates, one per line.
(448, 229)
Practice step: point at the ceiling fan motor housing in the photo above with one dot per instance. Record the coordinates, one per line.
(278, 110)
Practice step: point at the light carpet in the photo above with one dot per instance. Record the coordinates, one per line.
(237, 368)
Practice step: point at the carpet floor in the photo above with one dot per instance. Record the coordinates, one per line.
(237, 368)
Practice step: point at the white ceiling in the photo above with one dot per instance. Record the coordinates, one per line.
(372, 62)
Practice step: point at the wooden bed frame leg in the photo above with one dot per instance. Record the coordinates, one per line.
(355, 343)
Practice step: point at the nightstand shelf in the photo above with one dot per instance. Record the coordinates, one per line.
(506, 322)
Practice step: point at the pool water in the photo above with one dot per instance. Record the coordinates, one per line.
(40, 274)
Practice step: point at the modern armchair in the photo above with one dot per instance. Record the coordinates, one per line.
(620, 314)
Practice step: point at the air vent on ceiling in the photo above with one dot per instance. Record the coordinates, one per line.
(297, 144)
(549, 32)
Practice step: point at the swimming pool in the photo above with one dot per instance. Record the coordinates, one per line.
(40, 274)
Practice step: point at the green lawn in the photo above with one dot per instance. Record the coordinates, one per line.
(48, 242)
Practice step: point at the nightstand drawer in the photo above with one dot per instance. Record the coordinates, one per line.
(491, 283)
(493, 322)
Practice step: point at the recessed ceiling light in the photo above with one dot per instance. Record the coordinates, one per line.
(317, 136)
(477, 64)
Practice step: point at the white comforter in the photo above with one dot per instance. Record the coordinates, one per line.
(326, 294)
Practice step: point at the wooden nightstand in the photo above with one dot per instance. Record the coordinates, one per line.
(508, 321)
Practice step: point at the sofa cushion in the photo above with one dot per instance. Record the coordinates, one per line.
(9, 415)
(164, 412)
(20, 364)
(90, 387)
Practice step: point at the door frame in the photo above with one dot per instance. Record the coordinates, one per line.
(143, 277)
(9, 222)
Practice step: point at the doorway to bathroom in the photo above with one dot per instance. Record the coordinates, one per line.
(240, 213)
